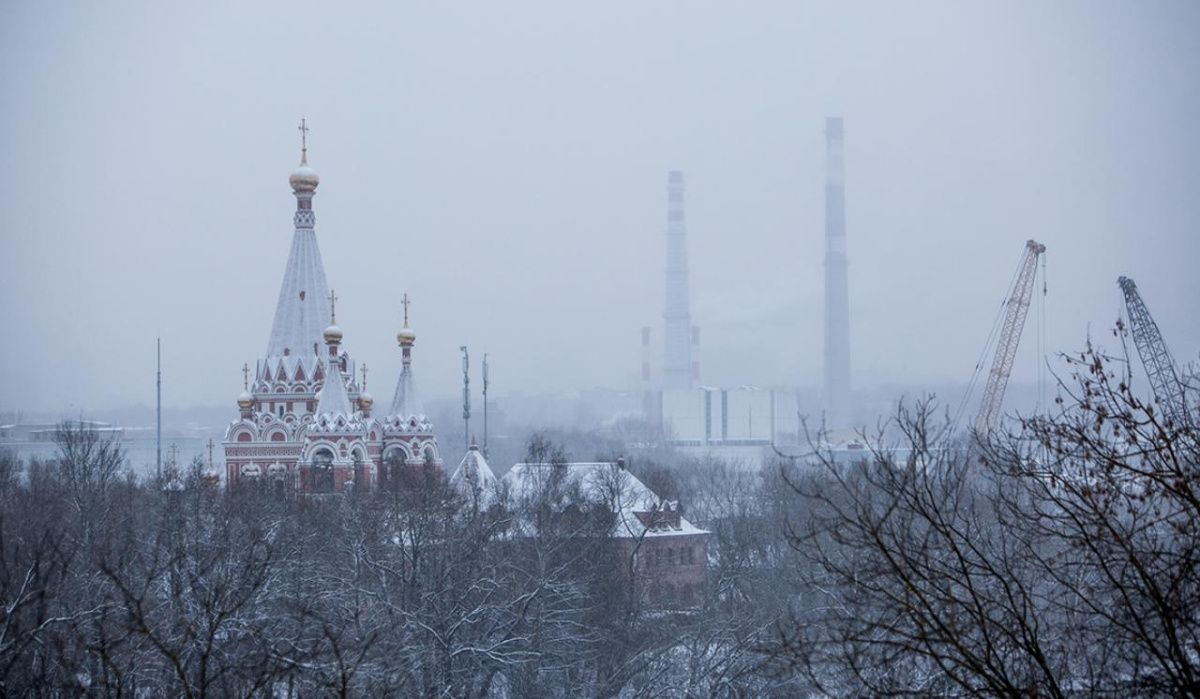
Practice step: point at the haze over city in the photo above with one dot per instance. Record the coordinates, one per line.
(505, 166)
(786, 349)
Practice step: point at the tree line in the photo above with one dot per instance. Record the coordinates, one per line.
(1057, 557)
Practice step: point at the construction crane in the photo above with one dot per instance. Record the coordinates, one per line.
(1160, 368)
(1016, 308)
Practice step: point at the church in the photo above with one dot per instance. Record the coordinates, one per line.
(306, 424)
(306, 421)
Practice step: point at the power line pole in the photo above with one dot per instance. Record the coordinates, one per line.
(158, 412)
(466, 397)
(485, 404)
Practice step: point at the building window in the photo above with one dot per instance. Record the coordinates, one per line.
(322, 471)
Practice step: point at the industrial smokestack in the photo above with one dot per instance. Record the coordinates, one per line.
(647, 384)
(837, 304)
(696, 353)
(677, 317)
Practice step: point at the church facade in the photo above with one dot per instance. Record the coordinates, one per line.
(305, 419)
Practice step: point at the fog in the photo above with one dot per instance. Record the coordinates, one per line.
(505, 165)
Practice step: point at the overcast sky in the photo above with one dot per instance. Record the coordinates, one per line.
(505, 164)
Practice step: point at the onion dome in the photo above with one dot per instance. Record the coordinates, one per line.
(333, 334)
(406, 336)
(245, 400)
(304, 178)
(365, 400)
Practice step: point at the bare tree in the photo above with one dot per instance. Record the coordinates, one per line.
(1057, 559)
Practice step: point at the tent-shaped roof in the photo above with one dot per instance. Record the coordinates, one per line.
(474, 479)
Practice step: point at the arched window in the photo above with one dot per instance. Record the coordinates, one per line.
(322, 471)
(392, 467)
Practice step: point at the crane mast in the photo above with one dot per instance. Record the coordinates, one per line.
(1160, 368)
(1016, 308)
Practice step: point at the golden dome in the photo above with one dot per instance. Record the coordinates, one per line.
(304, 178)
(245, 401)
(406, 336)
(333, 334)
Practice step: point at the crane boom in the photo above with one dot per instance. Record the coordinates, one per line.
(1017, 307)
(1160, 368)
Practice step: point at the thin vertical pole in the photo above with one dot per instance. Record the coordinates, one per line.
(158, 412)
(485, 404)
(466, 398)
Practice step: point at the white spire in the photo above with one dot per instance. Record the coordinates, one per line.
(301, 313)
(406, 403)
(334, 400)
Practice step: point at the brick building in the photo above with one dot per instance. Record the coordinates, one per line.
(666, 554)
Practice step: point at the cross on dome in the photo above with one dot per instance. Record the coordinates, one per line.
(364, 375)
(333, 334)
(406, 336)
(304, 179)
(246, 376)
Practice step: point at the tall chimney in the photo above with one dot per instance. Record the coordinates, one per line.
(647, 384)
(837, 304)
(677, 317)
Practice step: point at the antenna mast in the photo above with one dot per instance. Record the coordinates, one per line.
(485, 403)
(466, 397)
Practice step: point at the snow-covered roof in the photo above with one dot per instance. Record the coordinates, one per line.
(639, 511)
(268, 369)
(406, 402)
(302, 312)
(333, 397)
(474, 479)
